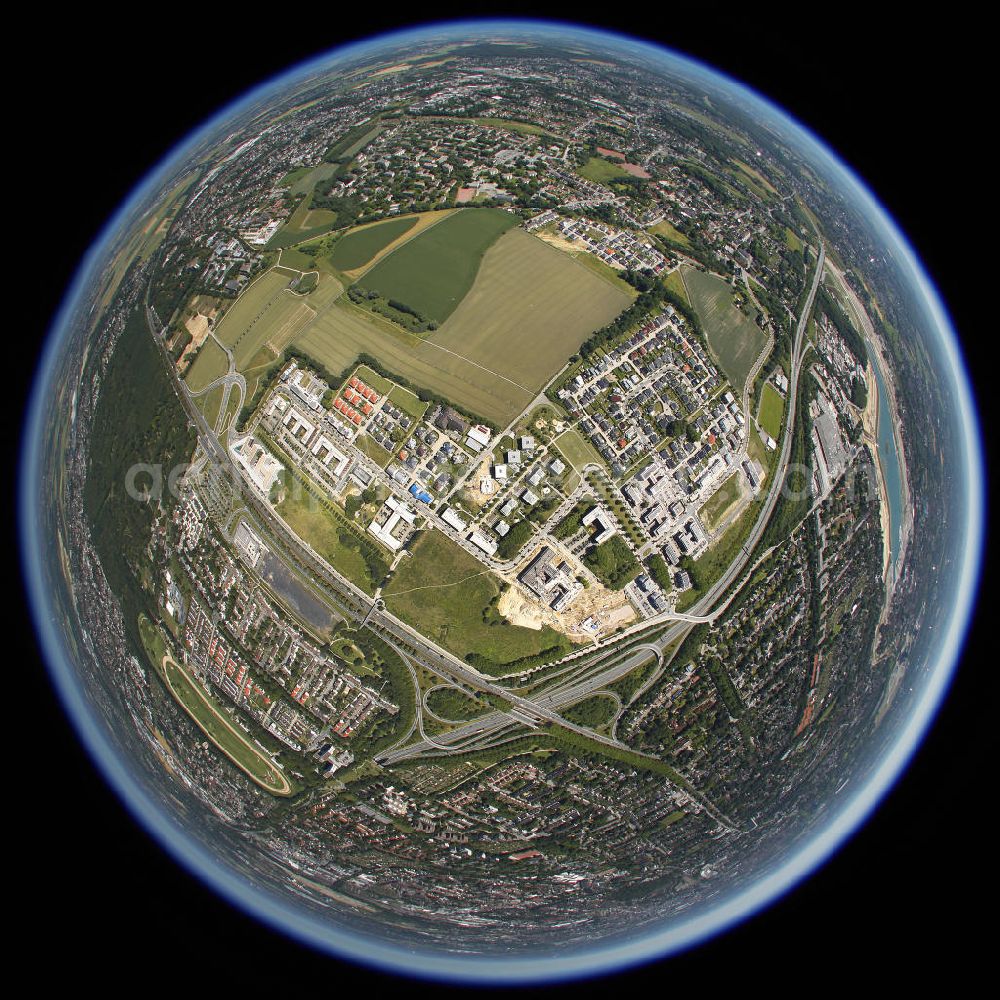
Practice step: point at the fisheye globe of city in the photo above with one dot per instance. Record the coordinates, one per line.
(501, 501)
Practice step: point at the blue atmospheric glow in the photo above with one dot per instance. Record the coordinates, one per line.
(612, 955)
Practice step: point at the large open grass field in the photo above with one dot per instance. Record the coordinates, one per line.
(720, 501)
(210, 403)
(601, 171)
(344, 331)
(530, 308)
(326, 528)
(446, 594)
(734, 338)
(359, 246)
(433, 272)
(209, 364)
(671, 232)
(265, 314)
(772, 409)
(577, 450)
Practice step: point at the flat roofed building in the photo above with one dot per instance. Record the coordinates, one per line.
(552, 583)
(482, 542)
(452, 518)
(393, 523)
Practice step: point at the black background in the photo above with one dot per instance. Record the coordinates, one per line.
(900, 100)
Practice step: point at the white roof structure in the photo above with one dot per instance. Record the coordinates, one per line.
(452, 518)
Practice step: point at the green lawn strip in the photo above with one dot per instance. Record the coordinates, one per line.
(373, 450)
(720, 501)
(408, 402)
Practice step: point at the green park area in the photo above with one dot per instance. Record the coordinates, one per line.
(446, 594)
(733, 336)
(596, 711)
(456, 705)
(322, 524)
(613, 562)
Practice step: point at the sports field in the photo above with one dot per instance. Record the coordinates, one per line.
(209, 364)
(733, 337)
(432, 272)
(360, 246)
(530, 308)
(265, 314)
(772, 409)
(446, 594)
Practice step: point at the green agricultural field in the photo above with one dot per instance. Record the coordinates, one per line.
(733, 337)
(209, 364)
(265, 314)
(449, 596)
(529, 310)
(303, 180)
(772, 409)
(433, 272)
(359, 246)
(673, 281)
(304, 223)
(601, 171)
